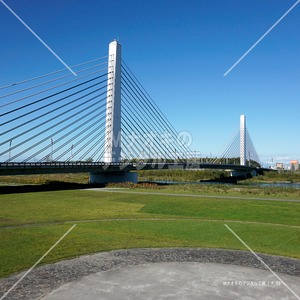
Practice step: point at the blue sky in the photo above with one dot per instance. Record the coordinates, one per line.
(179, 51)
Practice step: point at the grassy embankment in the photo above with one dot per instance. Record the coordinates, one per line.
(153, 175)
(30, 223)
(197, 175)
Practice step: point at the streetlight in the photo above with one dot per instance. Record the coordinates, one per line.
(9, 152)
(51, 149)
(249, 158)
(71, 151)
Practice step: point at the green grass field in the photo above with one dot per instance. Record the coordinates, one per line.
(30, 223)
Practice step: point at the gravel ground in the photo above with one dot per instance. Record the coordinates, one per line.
(44, 279)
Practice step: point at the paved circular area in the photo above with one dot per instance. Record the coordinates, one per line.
(173, 273)
(179, 281)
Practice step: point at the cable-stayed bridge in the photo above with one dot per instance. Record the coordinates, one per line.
(102, 121)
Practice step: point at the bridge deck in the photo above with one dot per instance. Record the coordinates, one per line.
(25, 168)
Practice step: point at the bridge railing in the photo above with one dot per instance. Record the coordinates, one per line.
(56, 164)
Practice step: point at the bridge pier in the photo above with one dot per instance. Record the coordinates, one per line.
(113, 177)
(243, 174)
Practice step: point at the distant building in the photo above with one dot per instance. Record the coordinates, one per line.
(279, 166)
(294, 165)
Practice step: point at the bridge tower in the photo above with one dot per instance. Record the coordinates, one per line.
(113, 105)
(243, 157)
(112, 153)
(243, 151)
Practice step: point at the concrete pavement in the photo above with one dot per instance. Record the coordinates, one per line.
(180, 280)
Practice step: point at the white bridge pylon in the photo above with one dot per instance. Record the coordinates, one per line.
(243, 151)
(112, 152)
(240, 150)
